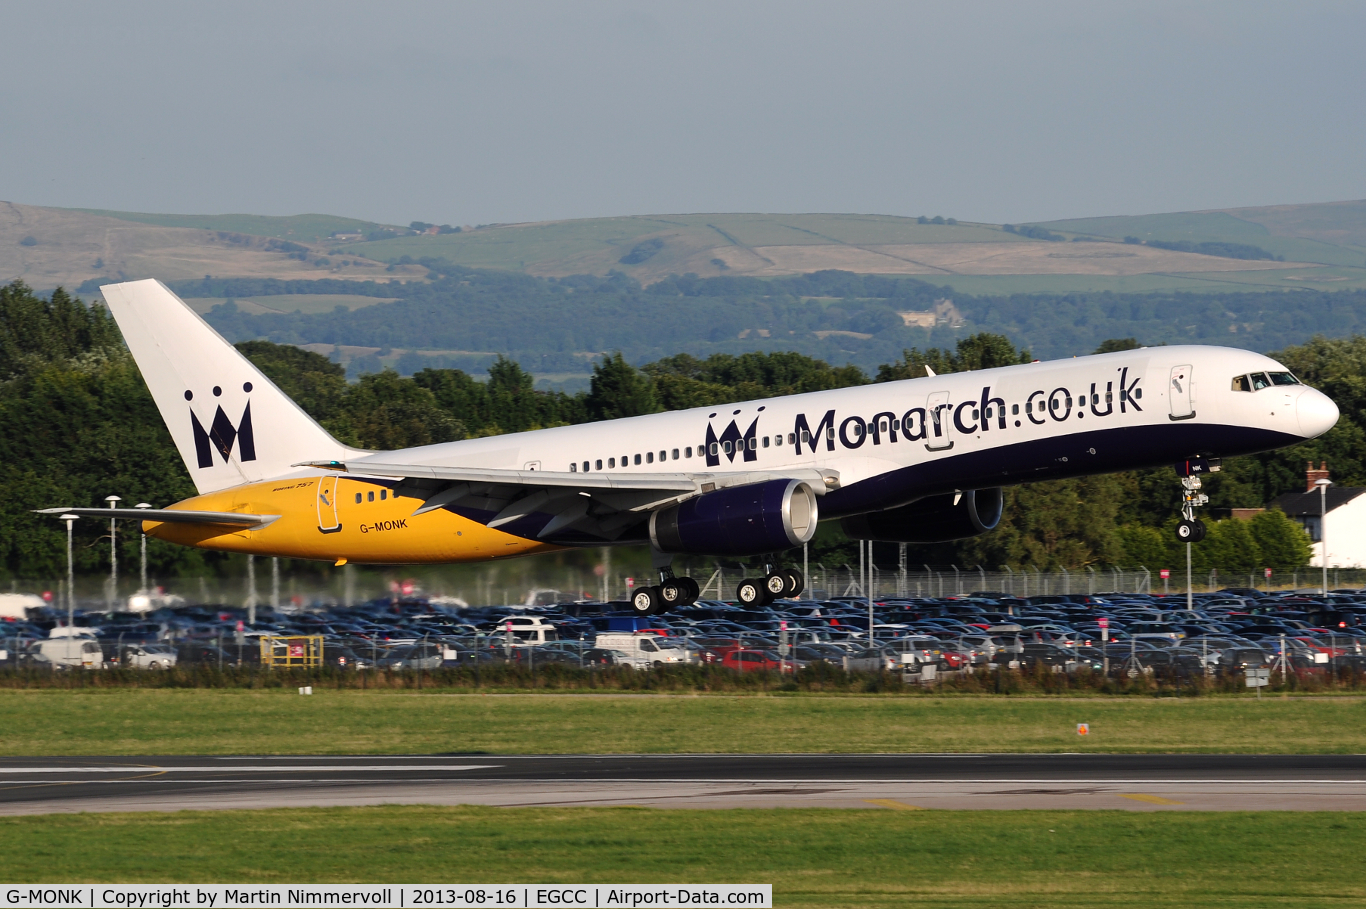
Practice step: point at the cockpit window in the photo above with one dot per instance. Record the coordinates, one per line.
(1259, 381)
(1240, 383)
(1283, 378)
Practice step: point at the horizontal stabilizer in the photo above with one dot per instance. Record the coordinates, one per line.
(167, 515)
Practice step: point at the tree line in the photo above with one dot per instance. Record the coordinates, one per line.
(77, 424)
(551, 324)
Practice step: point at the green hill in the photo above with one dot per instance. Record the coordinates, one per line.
(300, 228)
(1331, 233)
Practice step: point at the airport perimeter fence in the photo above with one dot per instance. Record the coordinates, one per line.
(1346, 677)
(954, 581)
(719, 582)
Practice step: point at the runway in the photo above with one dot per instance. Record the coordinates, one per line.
(882, 781)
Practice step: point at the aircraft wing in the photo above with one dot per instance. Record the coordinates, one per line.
(598, 502)
(167, 515)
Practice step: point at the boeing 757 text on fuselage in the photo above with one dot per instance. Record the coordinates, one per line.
(918, 460)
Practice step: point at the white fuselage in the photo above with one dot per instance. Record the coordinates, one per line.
(965, 430)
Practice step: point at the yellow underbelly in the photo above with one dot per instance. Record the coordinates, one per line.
(320, 518)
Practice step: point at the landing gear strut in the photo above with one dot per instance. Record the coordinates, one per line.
(1191, 529)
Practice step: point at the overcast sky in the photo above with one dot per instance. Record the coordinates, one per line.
(512, 111)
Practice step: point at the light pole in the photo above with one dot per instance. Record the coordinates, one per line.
(113, 557)
(1323, 485)
(70, 573)
(143, 589)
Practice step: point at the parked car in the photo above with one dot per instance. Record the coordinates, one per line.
(755, 660)
(146, 656)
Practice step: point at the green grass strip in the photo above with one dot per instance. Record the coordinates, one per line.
(235, 721)
(812, 857)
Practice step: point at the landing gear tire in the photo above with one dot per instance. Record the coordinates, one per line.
(776, 585)
(796, 584)
(691, 590)
(1190, 531)
(672, 594)
(751, 592)
(645, 601)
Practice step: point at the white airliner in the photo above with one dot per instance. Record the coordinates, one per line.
(919, 460)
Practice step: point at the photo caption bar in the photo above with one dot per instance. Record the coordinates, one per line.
(381, 896)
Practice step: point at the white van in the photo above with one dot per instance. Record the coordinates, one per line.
(17, 605)
(74, 652)
(527, 631)
(645, 650)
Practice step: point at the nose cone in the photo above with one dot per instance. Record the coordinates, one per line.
(1316, 412)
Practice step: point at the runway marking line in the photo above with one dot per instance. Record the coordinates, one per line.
(893, 804)
(1150, 799)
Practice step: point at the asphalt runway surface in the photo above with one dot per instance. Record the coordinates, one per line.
(1141, 782)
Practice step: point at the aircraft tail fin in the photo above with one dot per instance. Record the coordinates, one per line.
(231, 424)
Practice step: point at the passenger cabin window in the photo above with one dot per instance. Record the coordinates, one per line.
(370, 496)
(688, 451)
(574, 468)
(637, 459)
(675, 454)
(383, 494)
(598, 464)
(649, 457)
(357, 498)
(611, 462)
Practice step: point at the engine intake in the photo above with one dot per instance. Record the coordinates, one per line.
(937, 519)
(739, 521)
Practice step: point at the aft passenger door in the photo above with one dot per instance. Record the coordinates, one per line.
(1179, 393)
(328, 522)
(938, 420)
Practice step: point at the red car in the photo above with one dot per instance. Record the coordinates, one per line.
(752, 660)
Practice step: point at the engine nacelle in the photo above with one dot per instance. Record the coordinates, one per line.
(738, 521)
(937, 519)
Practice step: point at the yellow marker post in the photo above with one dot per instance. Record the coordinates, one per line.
(893, 804)
(1150, 799)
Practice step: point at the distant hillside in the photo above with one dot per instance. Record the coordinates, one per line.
(994, 259)
(1332, 233)
(48, 247)
(1310, 247)
(299, 228)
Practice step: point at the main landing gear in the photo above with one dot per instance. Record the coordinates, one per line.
(671, 593)
(1191, 529)
(674, 592)
(784, 582)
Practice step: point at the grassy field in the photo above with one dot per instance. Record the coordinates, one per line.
(206, 721)
(812, 857)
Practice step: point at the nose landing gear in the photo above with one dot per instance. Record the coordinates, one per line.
(1191, 529)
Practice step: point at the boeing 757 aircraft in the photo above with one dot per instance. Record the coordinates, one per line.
(919, 460)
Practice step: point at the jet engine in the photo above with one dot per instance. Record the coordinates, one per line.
(739, 521)
(937, 519)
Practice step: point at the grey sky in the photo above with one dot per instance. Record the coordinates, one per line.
(513, 111)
